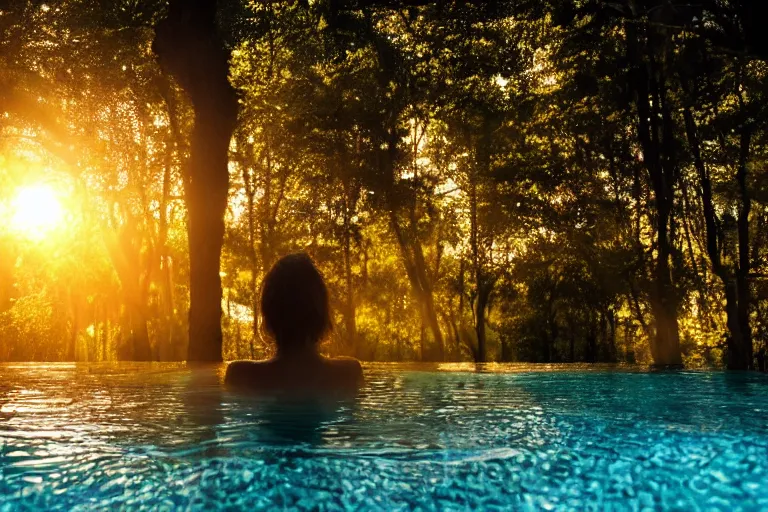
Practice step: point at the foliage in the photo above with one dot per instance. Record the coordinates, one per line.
(535, 181)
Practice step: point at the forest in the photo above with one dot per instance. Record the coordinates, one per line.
(539, 181)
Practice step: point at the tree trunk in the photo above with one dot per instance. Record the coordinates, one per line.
(629, 340)
(188, 48)
(266, 247)
(140, 347)
(482, 303)
(737, 356)
(591, 351)
(657, 157)
(474, 245)
(483, 285)
(609, 335)
(550, 331)
(165, 340)
(126, 261)
(349, 310)
(415, 267)
(434, 324)
(250, 194)
(175, 146)
(742, 274)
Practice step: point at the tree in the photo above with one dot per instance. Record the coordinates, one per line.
(189, 47)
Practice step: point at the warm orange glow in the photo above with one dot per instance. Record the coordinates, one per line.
(36, 211)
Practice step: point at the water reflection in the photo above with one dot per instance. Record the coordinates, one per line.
(201, 415)
(154, 436)
(309, 421)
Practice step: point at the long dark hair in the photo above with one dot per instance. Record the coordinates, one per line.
(294, 303)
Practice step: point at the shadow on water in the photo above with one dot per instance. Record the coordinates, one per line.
(285, 420)
(217, 420)
(307, 420)
(746, 383)
(202, 405)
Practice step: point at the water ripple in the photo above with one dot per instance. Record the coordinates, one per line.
(439, 437)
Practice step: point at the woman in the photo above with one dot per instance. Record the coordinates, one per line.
(295, 314)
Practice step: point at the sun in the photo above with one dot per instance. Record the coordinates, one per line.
(36, 211)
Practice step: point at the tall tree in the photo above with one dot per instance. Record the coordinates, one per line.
(190, 48)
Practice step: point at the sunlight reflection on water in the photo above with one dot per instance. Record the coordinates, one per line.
(434, 437)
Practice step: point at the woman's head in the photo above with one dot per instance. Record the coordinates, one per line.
(294, 303)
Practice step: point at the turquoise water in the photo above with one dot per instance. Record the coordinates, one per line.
(160, 437)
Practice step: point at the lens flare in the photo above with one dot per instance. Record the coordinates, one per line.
(36, 211)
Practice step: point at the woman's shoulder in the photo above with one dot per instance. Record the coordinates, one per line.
(344, 372)
(347, 365)
(246, 371)
(344, 361)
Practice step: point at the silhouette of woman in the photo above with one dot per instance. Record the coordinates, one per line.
(295, 314)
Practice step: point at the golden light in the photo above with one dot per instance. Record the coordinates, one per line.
(36, 211)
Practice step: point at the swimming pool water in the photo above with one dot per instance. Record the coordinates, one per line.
(166, 437)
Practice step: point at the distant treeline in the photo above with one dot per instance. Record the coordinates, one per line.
(505, 181)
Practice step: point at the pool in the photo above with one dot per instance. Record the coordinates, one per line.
(440, 437)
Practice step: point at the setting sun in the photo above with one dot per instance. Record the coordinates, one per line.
(36, 210)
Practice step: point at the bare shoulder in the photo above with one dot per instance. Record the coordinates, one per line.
(348, 365)
(246, 372)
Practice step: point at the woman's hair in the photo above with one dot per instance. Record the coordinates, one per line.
(294, 303)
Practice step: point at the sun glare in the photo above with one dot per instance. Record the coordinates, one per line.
(36, 210)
